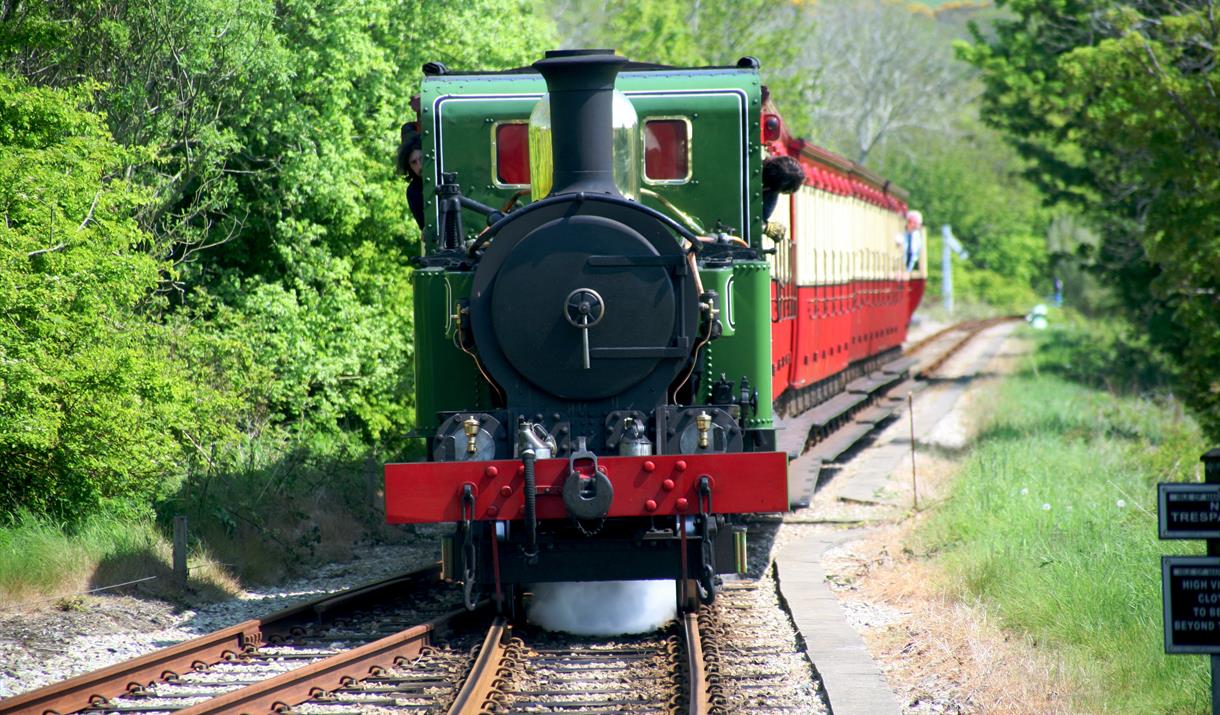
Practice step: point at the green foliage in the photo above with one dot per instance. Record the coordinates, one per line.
(973, 184)
(1054, 513)
(174, 76)
(649, 31)
(691, 33)
(88, 397)
(1116, 106)
(1110, 354)
(238, 303)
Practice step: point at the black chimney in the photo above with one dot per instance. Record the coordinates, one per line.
(581, 88)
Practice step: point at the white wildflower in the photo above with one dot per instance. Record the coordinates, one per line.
(1121, 503)
(1024, 490)
(1046, 507)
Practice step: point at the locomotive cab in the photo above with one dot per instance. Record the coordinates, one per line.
(589, 364)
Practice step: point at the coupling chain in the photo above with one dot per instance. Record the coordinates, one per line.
(468, 550)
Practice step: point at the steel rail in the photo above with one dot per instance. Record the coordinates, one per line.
(972, 330)
(971, 326)
(119, 679)
(474, 697)
(929, 339)
(280, 693)
(696, 670)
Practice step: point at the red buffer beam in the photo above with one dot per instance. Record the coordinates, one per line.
(742, 482)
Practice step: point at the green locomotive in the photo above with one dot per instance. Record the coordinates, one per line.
(697, 130)
(603, 328)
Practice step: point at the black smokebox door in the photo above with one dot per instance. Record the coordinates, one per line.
(530, 306)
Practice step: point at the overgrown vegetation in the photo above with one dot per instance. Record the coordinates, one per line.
(40, 558)
(878, 83)
(1115, 106)
(204, 296)
(1052, 520)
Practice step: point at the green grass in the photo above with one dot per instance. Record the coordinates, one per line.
(41, 560)
(1051, 526)
(260, 525)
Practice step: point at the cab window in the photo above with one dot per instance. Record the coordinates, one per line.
(667, 145)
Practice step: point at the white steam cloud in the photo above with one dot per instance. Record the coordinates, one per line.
(603, 608)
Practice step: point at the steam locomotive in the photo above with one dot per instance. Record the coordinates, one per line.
(603, 329)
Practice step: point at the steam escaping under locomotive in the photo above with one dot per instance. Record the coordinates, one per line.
(606, 324)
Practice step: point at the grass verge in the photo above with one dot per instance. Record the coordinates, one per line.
(1051, 527)
(41, 561)
(258, 526)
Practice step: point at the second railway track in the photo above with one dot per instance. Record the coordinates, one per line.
(827, 430)
(269, 664)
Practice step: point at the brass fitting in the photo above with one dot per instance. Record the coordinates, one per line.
(471, 427)
(703, 423)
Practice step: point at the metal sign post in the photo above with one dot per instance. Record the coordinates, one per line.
(1190, 585)
(949, 246)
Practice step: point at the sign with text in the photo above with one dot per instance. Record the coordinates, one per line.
(1191, 589)
(1188, 511)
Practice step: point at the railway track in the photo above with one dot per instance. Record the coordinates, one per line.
(827, 430)
(280, 660)
(541, 672)
(439, 666)
(405, 644)
(945, 343)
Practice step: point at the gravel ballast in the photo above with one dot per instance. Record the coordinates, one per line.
(40, 646)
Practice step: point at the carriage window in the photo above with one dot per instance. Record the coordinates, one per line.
(667, 151)
(512, 155)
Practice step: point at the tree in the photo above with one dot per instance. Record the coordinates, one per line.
(175, 76)
(1116, 105)
(887, 75)
(270, 129)
(691, 33)
(973, 183)
(92, 405)
(246, 262)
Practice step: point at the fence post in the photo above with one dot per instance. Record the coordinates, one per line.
(1211, 475)
(946, 268)
(914, 480)
(181, 574)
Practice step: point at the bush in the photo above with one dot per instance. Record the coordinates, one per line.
(89, 399)
(1109, 353)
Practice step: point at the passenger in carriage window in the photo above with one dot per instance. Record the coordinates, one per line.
(912, 239)
(780, 175)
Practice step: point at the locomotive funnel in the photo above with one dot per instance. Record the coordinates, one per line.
(581, 88)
